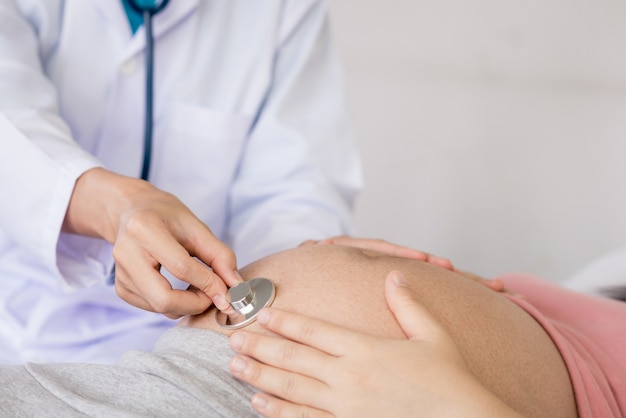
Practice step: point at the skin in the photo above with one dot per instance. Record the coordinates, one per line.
(491, 348)
(150, 228)
(332, 371)
(396, 250)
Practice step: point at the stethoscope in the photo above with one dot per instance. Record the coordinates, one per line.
(148, 12)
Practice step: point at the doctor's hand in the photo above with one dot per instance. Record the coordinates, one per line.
(150, 228)
(323, 370)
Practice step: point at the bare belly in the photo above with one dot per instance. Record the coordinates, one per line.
(502, 345)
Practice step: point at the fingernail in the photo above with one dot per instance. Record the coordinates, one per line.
(238, 276)
(263, 317)
(398, 279)
(259, 401)
(238, 364)
(236, 341)
(220, 302)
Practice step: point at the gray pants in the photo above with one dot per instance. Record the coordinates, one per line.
(186, 375)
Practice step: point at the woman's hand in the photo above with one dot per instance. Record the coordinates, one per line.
(406, 252)
(386, 248)
(322, 370)
(149, 229)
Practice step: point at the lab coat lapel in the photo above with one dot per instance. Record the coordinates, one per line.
(175, 12)
(113, 11)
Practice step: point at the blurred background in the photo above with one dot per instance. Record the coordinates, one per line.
(493, 132)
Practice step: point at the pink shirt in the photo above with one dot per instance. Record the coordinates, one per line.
(590, 333)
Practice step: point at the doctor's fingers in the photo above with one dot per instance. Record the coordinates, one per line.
(178, 260)
(199, 241)
(146, 288)
(176, 305)
(291, 387)
(171, 233)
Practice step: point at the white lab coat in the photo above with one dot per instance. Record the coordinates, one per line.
(250, 132)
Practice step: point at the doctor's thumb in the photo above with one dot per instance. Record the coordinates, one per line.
(414, 319)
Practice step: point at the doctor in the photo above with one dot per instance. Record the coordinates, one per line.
(251, 150)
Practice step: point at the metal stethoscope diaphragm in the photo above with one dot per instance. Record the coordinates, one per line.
(246, 299)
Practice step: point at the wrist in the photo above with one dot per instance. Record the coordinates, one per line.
(481, 402)
(98, 199)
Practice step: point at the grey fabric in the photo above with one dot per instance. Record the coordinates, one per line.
(185, 376)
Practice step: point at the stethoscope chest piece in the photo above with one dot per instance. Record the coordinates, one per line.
(247, 299)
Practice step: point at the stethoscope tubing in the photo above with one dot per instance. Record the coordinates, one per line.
(149, 118)
(147, 13)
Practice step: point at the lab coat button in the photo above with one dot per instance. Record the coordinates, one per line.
(129, 67)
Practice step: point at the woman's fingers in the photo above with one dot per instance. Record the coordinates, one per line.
(377, 245)
(440, 261)
(282, 353)
(290, 386)
(316, 333)
(497, 285)
(272, 407)
(386, 248)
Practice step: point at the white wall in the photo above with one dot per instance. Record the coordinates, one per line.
(492, 131)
